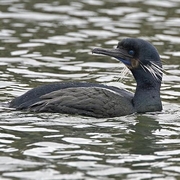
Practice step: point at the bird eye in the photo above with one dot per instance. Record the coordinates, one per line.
(131, 52)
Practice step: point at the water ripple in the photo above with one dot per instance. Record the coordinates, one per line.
(51, 41)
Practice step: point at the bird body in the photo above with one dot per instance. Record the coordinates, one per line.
(99, 100)
(87, 99)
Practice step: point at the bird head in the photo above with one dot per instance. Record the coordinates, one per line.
(138, 55)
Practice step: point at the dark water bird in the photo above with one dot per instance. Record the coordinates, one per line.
(99, 100)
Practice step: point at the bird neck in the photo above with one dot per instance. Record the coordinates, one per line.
(147, 95)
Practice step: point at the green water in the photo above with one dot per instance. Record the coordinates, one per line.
(51, 41)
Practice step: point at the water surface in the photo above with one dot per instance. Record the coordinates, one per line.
(51, 41)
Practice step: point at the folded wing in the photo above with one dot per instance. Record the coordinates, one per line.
(89, 101)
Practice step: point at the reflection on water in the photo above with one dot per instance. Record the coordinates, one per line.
(42, 42)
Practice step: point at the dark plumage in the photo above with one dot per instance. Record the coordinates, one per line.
(99, 100)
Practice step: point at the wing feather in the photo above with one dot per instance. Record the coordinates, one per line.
(90, 101)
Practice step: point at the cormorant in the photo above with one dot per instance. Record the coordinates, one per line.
(98, 100)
